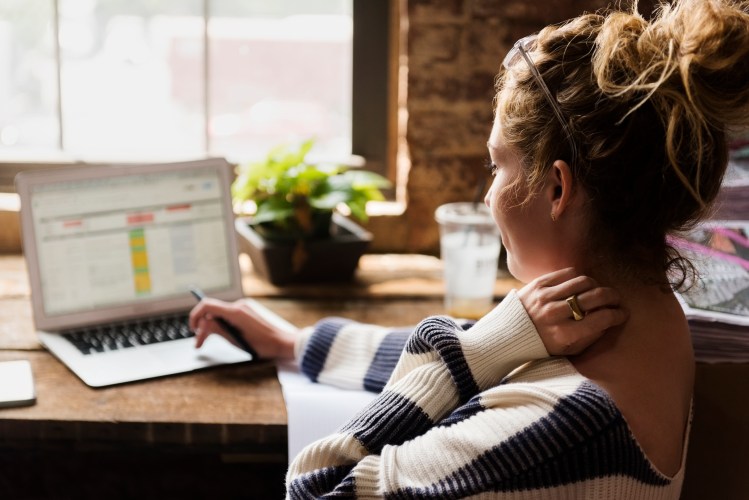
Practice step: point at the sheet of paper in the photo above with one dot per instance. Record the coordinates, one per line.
(315, 410)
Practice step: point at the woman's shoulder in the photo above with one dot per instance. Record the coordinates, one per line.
(575, 411)
(572, 417)
(544, 387)
(553, 385)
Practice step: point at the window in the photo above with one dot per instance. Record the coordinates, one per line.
(137, 80)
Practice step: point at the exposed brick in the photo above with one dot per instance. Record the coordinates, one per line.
(435, 182)
(455, 178)
(484, 45)
(445, 132)
(442, 85)
(435, 10)
(487, 8)
(480, 86)
(424, 236)
(451, 87)
(543, 13)
(431, 44)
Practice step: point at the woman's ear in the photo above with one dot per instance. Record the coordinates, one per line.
(559, 188)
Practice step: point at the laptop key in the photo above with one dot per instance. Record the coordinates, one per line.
(127, 335)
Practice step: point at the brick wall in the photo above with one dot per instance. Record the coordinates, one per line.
(454, 51)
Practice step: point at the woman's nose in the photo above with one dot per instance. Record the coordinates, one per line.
(488, 197)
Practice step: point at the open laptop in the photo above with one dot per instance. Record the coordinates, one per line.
(112, 252)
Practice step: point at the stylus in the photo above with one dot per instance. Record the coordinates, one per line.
(231, 330)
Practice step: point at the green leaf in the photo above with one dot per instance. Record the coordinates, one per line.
(371, 194)
(272, 212)
(366, 179)
(284, 182)
(359, 209)
(329, 201)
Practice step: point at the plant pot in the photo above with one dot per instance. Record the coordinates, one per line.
(318, 260)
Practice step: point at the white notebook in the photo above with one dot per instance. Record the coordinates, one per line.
(16, 384)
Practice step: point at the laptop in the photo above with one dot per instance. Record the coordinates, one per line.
(112, 253)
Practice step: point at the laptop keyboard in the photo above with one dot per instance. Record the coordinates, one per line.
(125, 335)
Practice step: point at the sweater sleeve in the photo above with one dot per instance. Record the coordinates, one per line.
(441, 368)
(351, 355)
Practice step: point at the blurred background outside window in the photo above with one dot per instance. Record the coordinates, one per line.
(159, 80)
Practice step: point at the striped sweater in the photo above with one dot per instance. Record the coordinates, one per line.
(482, 413)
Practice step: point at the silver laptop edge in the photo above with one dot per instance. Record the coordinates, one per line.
(154, 360)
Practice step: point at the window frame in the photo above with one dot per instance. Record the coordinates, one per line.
(374, 94)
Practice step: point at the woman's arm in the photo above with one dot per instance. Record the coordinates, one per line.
(347, 354)
(336, 351)
(441, 368)
(350, 355)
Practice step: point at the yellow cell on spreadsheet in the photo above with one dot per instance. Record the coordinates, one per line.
(137, 241)
(140, 260)
(142, 282)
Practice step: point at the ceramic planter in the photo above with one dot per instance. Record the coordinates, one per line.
(317, 260)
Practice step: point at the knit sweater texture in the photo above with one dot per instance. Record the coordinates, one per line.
(480, 412)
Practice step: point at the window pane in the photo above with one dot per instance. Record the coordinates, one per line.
(280, 72)
(132, 78)
(28, 82)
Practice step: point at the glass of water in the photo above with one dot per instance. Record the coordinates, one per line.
(469, 247)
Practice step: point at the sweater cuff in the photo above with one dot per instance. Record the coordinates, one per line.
(300, 344)
(501, 341)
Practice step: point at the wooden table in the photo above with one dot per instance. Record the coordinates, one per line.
(221, 432)
(208, 433)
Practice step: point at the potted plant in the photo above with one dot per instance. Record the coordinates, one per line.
(296, 233)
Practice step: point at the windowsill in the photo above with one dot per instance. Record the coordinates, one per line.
(385, 208)
(384, 217)
(11, 165)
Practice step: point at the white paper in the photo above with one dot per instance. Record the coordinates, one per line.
(315, 410)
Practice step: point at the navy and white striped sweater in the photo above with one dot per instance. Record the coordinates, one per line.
(482, 413)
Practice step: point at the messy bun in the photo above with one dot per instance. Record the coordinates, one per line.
(649, 104)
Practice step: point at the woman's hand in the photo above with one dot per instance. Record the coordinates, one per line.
(545, 299)
(270, 339)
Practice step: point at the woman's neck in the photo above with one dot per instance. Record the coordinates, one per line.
(647, 366)
(655, 325)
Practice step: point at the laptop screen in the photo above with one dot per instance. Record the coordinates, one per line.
(112, 241)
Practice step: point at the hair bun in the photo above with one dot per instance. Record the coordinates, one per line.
(693, 48)
(712, 38)
(691, 64)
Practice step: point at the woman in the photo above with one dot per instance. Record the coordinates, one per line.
(609, 134)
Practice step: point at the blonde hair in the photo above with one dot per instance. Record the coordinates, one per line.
(649, 104)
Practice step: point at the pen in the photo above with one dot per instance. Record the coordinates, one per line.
(198, 294)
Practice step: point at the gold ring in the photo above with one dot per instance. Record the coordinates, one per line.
(577, 313)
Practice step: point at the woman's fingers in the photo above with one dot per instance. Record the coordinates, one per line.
(590, 300)
(601, 320)
(270, 338)
(571, 311)
(205, 327)
(202, 319)
(573, 337)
